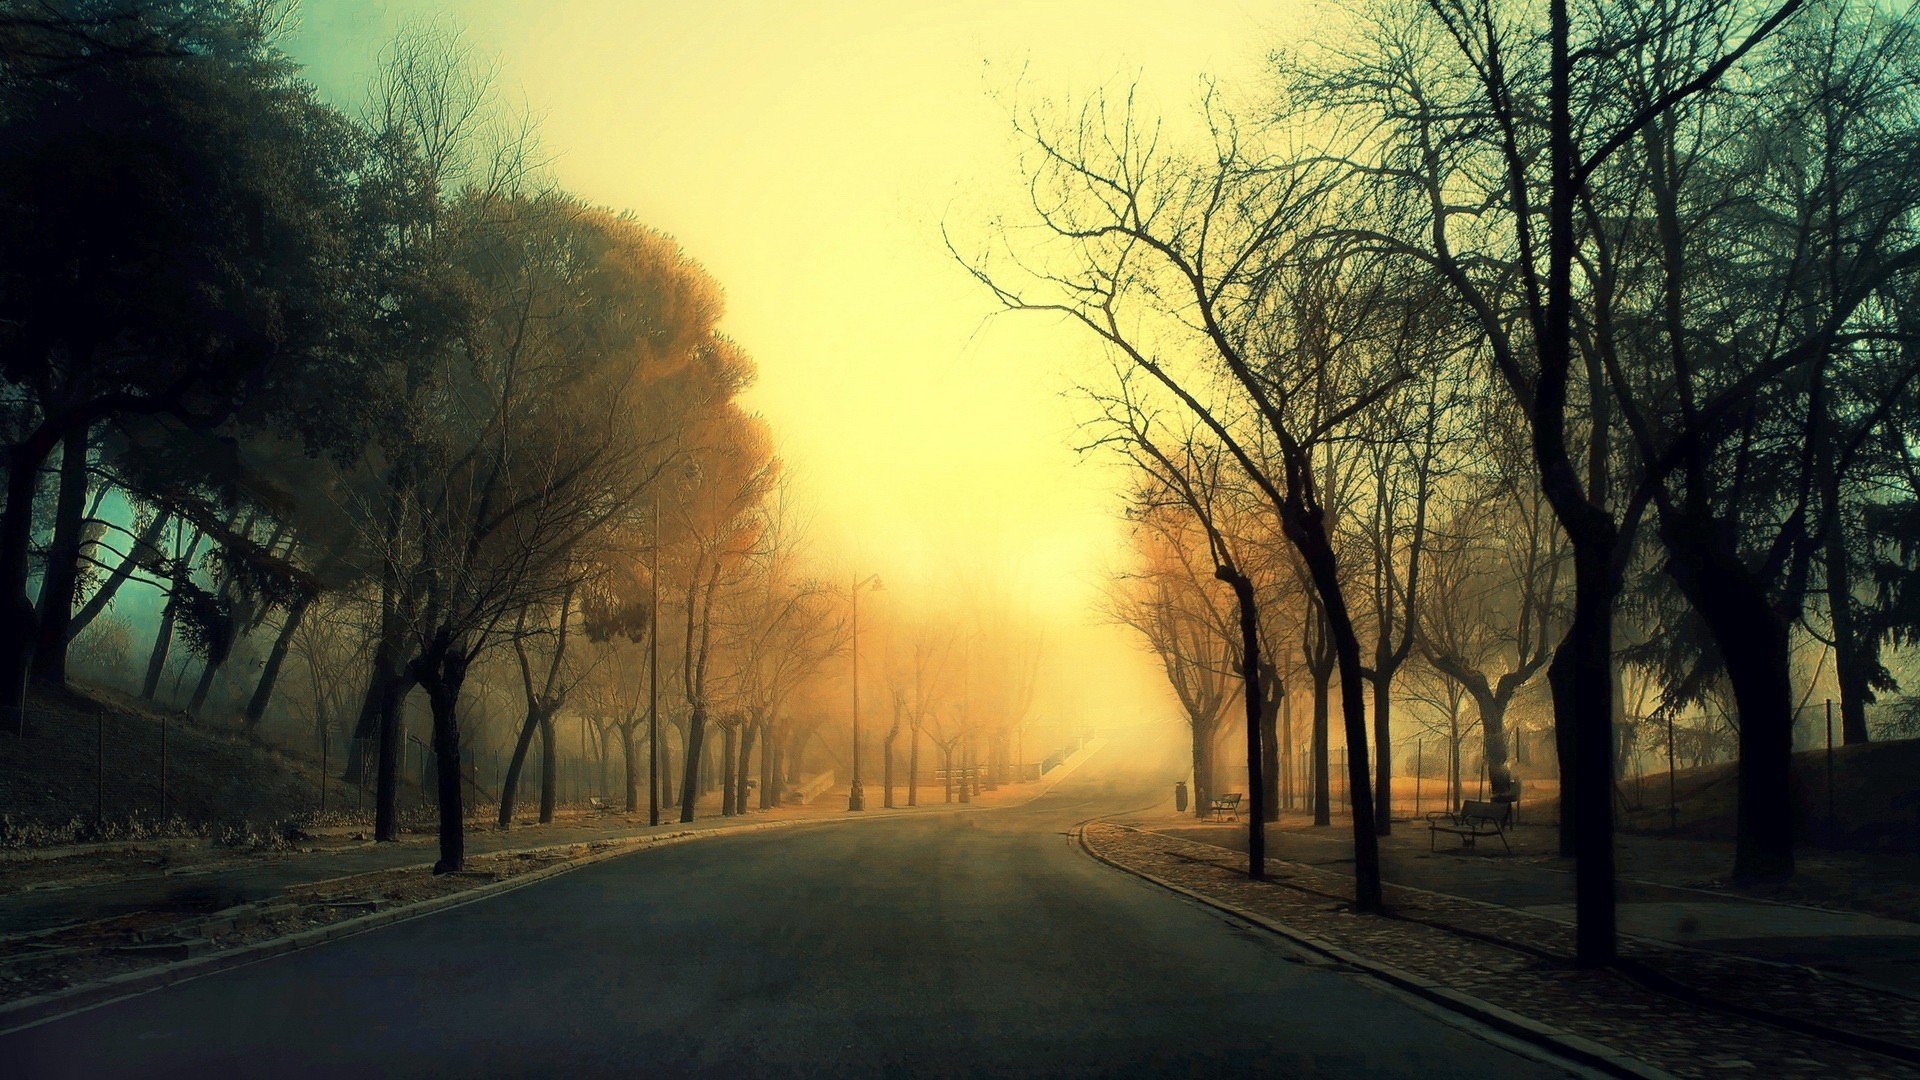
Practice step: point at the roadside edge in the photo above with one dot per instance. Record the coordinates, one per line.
(41, 1008)
(1572, 1048)
(36, 1010)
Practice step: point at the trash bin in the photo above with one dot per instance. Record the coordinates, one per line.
(1180, 796)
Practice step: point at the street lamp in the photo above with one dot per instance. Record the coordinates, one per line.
(855, 800)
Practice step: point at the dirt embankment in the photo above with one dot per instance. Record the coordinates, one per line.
(95, 764)
(1872, 804)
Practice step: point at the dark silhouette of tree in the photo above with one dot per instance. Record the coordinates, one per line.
(1215, 248)
(177, 251)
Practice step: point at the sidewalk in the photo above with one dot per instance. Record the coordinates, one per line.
(1688, 1012)
(1847, 914)
(1670, 1035)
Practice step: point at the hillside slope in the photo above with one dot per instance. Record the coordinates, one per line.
(89, 752)
(1875, 798)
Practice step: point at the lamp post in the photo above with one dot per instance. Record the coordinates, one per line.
(855, 800)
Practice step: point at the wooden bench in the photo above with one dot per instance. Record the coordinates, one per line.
(1471, 822)
(1225, 808)
(602, 806)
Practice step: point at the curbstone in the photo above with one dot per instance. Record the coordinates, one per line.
(40, 1008)
(1564, 1044)
(28, 1012)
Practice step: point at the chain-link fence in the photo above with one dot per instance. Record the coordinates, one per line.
(100, 766)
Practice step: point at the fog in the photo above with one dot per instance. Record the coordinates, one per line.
(876, 539)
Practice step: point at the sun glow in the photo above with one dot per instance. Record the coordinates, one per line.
(809, 155)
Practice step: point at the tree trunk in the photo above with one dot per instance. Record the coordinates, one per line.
(549, 767)
(886, 767)
(1454, 792)
(772, 752)
(148, 540)
(690, 781)
(1317, 552)
(270, 673)
(388, 719)
(1596, 937)
(667, 772)
(1493, 736)
(630, 761)
(743, 769)
(1560, 679)
(768, 756)
(378, 730)
(1753, 641)
(169, 613)
(913, 765)
(1382, 748)
(730, 777)
(162, 641)
(1202, 770)
(516, 762)
(389, 662)
(1250, 669)
(208, 672)
(602, 752)
(61, 574)
(443, 694)
(966, 771)
(23, 461)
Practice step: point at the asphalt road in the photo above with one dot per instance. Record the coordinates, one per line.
(969, 944)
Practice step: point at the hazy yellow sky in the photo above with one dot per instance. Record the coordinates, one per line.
(807, 154)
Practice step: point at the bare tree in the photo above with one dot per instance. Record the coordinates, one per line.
(1173, 602)
(1510, 120)
(778, 629)
(1189, 476)
(1495, 594)
(1148, 250)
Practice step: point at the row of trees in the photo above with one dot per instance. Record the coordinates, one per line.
(961, 682)
(367, 392)
(1512, 340)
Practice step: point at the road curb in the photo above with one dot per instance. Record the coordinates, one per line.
(27, 1012)
(1576, 1048)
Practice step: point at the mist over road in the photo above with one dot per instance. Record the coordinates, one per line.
(945, 944)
